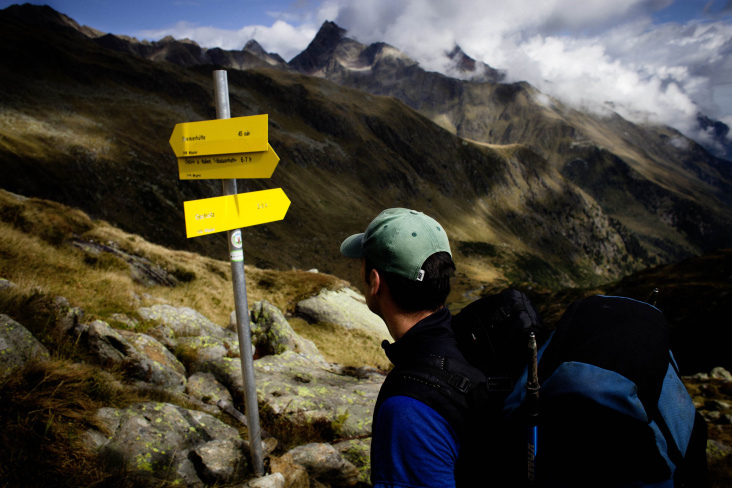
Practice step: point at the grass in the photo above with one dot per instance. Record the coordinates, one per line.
(46, 408)
(353, 348)
(43, 412)
(35, 253)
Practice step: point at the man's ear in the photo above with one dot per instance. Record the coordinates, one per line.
(374, 282)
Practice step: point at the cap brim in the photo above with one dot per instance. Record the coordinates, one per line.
(352, 247)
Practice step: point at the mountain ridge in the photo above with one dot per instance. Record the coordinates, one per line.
(88, 126)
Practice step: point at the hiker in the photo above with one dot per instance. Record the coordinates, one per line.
(406, 267)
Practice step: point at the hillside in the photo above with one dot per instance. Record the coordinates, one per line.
(66, 268)
(87, 126)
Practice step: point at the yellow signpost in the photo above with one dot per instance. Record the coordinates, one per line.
(227, 212)
(220, 136)
(221, 167)
(228, 149)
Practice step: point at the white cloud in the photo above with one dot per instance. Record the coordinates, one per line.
(281, 38)
(585, 52)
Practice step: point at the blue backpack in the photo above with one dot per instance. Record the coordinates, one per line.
(612, 410)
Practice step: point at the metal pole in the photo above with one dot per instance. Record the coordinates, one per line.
(221, 92)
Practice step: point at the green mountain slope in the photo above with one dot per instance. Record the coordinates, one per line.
(88, 126)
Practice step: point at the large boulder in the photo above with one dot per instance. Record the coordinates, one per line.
(343, 307)
(205, 387)
(154, 363)
(272, 333)
(142, 357)
(184, 322)
(296, 387)
(17, 346)
(196, 352)
(157, 441)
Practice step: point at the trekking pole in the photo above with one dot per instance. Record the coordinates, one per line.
(532, 405)
(654, 297)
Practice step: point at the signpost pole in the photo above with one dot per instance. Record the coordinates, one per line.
(221, 92)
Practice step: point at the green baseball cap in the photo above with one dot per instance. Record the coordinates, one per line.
(399, 241)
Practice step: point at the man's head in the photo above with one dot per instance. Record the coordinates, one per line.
(411, 252)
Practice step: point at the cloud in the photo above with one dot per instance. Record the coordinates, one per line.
(281, 38)
(589, 53)
(584, 52)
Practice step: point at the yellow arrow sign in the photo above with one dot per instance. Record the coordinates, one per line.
(228, 166)
(220, 136)
(219, 214)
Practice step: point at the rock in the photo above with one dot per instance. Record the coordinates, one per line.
(141, 269)
(162, 441)
(272, 334)
(17, 347)
(164, 335)
(344, 307)
(104, 343)
(717, 450)
(6, 284)
(325, 464)
(358, 453)
(124, 320)
(218, 461)
(228, 372)
(274, 480)
(295, 476)
(296, 387)
(205, 387)
(154, 364)
(67, 317)
(716, 405)
(142, 357)
(196, 351)
(720, 373)
(184, 321)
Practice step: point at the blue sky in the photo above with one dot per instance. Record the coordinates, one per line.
(655, 60)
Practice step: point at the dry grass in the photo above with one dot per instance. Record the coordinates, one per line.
(43, 412)
(36, 254)
(353, 348)
(46, 408)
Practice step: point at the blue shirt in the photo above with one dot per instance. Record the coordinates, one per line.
(412, 446)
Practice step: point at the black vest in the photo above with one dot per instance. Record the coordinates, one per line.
(429, 367)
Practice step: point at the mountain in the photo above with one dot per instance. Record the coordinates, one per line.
(655, 172)
(555, 197)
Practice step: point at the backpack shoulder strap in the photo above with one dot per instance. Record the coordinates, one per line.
(443, 383)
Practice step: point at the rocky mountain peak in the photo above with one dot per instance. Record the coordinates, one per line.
(463, 66)
(252, 46)
(320, 49)
(256, 49)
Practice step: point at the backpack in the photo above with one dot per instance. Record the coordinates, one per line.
(612, 408)
(491, 333)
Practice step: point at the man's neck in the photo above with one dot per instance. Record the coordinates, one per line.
(399, 323)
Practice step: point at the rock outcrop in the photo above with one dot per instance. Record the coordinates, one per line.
(189, 357)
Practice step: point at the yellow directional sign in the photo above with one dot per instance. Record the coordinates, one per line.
(220, 136)
(219, 214)
(229, 166)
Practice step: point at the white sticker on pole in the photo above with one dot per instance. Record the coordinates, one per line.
(236, 239)
(237, 254)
